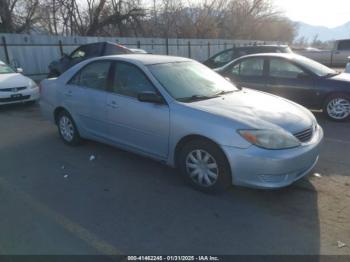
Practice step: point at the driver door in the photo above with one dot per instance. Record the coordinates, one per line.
(288, 80)
(140, 126)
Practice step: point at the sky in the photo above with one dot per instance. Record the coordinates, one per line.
(329, 13)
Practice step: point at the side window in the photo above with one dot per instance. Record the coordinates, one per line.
(79, 53)
(344, 45)
(281, 68)
(224, 57)
(252, 67)
(235, 69)
(241, 52)
(93, 75)
(130, 80)
(94, 49)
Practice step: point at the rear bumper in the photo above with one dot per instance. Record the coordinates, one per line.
(47, 110)
(261, 168)
(27, 95)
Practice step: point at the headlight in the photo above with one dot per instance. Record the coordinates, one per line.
(270, 139)
(32, 84)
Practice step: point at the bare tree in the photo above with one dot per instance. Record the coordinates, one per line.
(239, 19)
(17, 16)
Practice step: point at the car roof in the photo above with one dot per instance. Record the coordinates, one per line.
(255, 46)
(252, 46)
(148, 59)
(283, 55)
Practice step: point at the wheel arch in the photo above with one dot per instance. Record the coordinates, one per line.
(57, 112)
(184, 140)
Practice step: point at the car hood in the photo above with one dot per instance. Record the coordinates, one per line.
(343, 77)
(258, 110)
(13, 80)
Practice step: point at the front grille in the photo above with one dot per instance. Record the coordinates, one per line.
(13, 99)
(13, 89)
(305, 135)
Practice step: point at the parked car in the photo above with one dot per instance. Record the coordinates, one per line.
(181, 113)
(138, 51)
(84, 52)
(222, 58)
(337, 57)
(15, 87)
(294, 77)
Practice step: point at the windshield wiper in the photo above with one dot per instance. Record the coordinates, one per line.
(331, 74)
(196, 98)
(223, 92)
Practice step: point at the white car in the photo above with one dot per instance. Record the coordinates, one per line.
(15, 87)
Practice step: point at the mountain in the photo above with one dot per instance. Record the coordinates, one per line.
(324, 33)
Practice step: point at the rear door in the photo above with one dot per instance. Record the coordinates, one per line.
(290, 81)
(90, 106)
(249, 72)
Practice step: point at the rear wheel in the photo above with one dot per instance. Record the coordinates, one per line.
(205, 166)
(67, 129)
(337, 107)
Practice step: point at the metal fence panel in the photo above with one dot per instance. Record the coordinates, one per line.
(34, 52)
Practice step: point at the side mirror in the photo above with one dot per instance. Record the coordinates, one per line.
(150, 97)
(19, 70)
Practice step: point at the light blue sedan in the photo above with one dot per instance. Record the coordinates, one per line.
(185, 115)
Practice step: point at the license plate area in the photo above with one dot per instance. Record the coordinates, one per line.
(16, 96)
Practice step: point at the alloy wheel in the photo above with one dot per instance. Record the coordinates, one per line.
(338, 108)
(66, 128)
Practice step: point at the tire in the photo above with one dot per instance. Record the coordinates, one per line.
(202, 175)
(67, 129)
(337, 107)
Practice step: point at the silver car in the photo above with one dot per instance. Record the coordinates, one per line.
(181, 113)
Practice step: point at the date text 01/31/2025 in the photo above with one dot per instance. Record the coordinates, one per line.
(173, 258)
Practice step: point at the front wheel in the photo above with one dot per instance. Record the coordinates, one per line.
(205, 166)
(337, 107)
(67, 129)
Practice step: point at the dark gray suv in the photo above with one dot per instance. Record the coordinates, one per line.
(222, 58)
(84, 52)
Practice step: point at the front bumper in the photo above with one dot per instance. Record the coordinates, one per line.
(26, 95)
(261, 168)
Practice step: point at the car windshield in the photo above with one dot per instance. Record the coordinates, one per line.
(5, 69)
(190, 81)
(315, 67)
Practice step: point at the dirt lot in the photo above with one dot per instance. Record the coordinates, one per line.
(53, 200)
